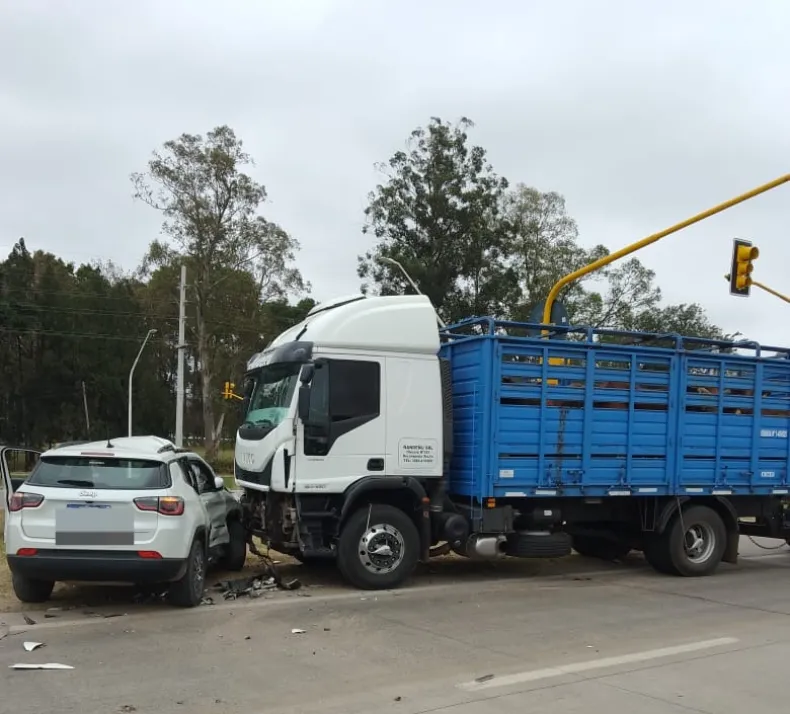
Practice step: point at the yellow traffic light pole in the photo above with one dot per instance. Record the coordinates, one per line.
(771, 290)
(612, 257)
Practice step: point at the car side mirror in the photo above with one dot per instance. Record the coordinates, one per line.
(219, 483)
(303, 406)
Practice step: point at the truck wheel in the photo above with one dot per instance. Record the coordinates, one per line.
(31, 591)
(188, 591)
(378, 547)
(656, 551)
(696, 541)
(601, 547)
(236, 551)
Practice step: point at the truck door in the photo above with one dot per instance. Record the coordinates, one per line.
(344, 437)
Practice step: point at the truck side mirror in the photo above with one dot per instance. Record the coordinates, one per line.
(303, 405)
(307, 373)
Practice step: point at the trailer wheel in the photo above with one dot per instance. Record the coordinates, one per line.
(601, 547)
(695, 541)
(378, 547)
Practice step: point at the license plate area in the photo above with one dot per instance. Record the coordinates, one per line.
(94, 524)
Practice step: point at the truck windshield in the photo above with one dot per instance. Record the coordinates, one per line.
(272, 391)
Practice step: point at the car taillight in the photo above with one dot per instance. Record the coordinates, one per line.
(27, 552)
(21, 500)
(150, 554)
(166, 505)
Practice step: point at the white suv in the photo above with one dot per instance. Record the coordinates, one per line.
(132, 509)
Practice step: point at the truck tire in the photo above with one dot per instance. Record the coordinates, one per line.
(656, 552)
(384, 528)
(235, 554)
(601, 547)
(31, 591)
(527, 544)
(695, 541)
(188, 591)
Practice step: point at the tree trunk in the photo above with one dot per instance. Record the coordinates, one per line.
(209, 436)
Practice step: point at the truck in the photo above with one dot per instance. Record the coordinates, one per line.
(376, 438)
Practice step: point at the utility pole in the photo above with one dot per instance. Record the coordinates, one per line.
(87, 418)
(182, 328)
(131, 374)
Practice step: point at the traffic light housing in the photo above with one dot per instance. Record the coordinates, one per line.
(743, 253)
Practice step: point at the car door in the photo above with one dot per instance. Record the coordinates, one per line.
(213, 500)
(16, 465)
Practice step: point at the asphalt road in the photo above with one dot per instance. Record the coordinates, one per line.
(575, 636)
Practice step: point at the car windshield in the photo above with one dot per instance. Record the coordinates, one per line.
(99, 473)
(271, 393)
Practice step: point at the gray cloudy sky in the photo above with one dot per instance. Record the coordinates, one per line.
(640, 117)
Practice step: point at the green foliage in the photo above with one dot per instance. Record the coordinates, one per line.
(62, 325)
(475, 246)
(235, 258)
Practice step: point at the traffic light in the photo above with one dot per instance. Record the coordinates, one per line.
(743, 253)
(227, 392)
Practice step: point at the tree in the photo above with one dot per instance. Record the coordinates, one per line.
(210, 208)
(542, 246)
(436, 213)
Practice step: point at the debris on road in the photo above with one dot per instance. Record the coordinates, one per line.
(47, 665)
(252, 586)
(271, 569)
(4, 630)
(127, 708)
(30, 646)
(28, 620)
(207, 601)
(298, 631)
(484, 678)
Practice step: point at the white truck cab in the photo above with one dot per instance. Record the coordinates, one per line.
(344, 414)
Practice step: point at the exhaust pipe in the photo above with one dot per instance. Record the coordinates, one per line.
(486, 547)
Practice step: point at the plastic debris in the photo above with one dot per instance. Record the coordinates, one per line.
(30, 646)
(47, 665)
(298, 631)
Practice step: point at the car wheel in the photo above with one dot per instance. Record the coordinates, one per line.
(696, 541)
(236, 552)
(378, 548)
(31, 591)
(188, 591)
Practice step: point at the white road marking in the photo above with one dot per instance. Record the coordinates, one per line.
(579, 667)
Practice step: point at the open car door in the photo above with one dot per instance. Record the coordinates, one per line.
(16, 463)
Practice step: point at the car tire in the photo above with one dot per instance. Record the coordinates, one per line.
(30, 590)
(707, 528)
(236, 552)
(188, 591)
(378, 525)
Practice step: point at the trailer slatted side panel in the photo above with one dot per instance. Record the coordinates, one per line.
(584, 418)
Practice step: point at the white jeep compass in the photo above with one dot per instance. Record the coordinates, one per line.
(133, 510)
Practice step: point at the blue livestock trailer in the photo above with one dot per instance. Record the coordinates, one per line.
(615, 441)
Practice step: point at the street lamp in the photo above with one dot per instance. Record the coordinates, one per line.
(131, 374)
(392, 261)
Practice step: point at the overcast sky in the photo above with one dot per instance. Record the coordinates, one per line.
(639, 117)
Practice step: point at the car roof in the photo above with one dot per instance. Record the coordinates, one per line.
(129, 447)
